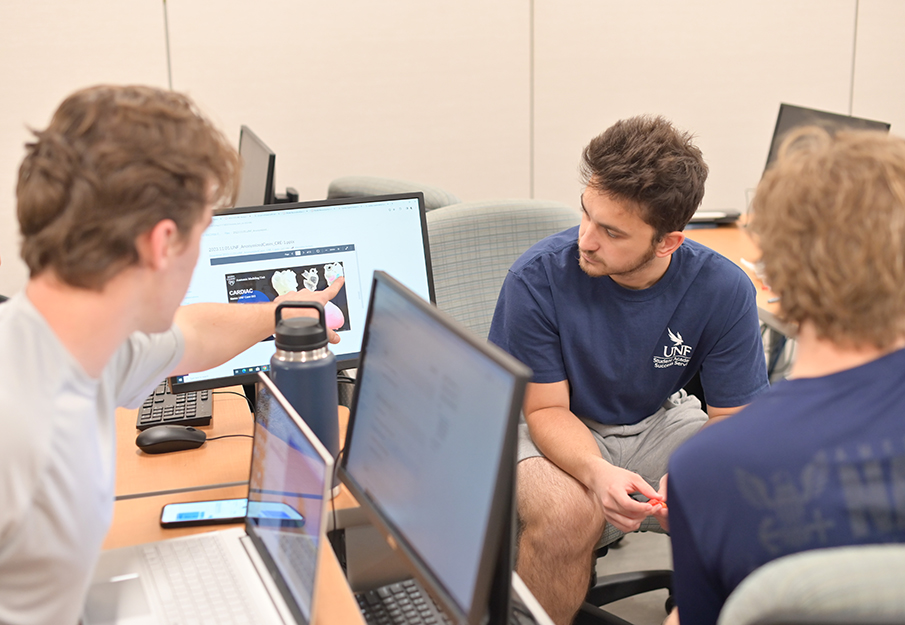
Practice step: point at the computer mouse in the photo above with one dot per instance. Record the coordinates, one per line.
(161, 439)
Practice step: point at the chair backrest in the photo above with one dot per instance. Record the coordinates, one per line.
(473, 245)
(864, 584)
(358, 186)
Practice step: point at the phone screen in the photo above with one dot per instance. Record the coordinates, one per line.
(203, 512)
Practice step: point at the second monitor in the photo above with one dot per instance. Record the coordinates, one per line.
(256, 187)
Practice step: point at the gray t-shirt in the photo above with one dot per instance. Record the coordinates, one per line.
(57, 458)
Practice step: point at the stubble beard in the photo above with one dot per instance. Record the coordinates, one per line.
(601, 269)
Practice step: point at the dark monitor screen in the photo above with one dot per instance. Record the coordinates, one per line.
(430, 447)
(256, 187)
(791, 116)
(254, 254)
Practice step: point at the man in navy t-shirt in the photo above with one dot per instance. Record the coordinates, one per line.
(615, 317)
(819, 460)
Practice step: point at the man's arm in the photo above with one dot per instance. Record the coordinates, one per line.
(569, 444)
(214, 333)
(718, 414)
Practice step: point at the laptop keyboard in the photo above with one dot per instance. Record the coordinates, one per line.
(301, 552)
(163, 407)
(402, 602)
(197, 583)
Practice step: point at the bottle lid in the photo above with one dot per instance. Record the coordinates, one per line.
(300, 334)
(297, 334)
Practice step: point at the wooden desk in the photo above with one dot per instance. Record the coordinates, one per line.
(217, 470)
(734, 243)
(216, 464)
(221, 462)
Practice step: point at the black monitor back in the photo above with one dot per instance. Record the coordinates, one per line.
(791, 117)
(256, 186)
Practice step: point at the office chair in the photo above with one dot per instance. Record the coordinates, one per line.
(359, 186)
(473, 245)
(859, 585)
(610, 588)
(362, 186)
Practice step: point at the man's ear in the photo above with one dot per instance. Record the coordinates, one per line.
(670, 243)
(157, 245)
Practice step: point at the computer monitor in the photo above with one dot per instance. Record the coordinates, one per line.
(430, 449)
(791, 116)
(256, 186)
(254, 254)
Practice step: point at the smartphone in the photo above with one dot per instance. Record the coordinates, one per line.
(275, 514)
(203, 512)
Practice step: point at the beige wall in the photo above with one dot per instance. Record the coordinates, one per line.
(485, 99)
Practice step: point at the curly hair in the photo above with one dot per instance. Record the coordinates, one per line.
(114, 161)
(829, 216)
(647, 162)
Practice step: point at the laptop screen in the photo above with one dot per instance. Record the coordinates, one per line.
(430, 452)
(290, 471)
(257, 253)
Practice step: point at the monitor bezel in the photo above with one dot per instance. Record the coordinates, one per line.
(493, 581)
(270, 183)
(345, 361)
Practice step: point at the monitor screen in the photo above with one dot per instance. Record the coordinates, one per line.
(256, 187)
(254, 254)
(791, 116)
(430, 447)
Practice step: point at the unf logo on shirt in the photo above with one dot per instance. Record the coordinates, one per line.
(677, 354)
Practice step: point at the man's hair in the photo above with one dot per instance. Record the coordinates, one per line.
(830, 219)
(115, 161)
(649, 163)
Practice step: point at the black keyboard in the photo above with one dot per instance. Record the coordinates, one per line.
(163, 407)
(403, 602)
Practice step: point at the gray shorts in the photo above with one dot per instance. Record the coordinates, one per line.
(644, 447)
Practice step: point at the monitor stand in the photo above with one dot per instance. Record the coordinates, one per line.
(290, 196)
(250, 395)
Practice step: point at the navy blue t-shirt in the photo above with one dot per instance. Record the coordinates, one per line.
(812, 463)
(625, 351)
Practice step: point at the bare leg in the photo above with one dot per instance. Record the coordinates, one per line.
(560, 523)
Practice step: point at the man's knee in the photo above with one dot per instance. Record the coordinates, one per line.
(553, 503)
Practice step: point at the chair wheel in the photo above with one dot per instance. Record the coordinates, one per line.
(670, 604)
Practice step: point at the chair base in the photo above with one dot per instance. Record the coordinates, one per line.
(592, 615)
(610, 588)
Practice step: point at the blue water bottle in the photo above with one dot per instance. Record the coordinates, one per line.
(305, 371)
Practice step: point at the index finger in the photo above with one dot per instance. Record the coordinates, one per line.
(631, 507)
(641, 486)
(333, 290)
